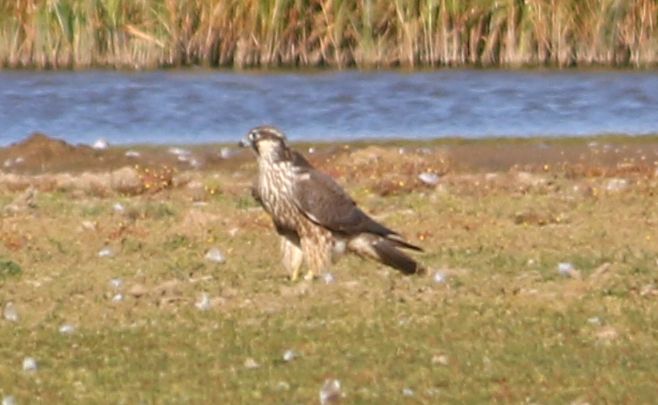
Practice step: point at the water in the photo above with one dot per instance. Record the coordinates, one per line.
(198, 107)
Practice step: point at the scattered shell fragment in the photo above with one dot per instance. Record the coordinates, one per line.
(195, 163)
(132, 154)
(566, 269)
(119, 208)
(595, 320)
(29, 365)
(330, 393)
(117, 297)
(616, 185)
(203, 303)
(407, 392)
(439, 277)
(101, 144)
(215, 255)
(328, 278)
(10, 313)
(8, 400)
(431, 179)
(116, 283)
(105, 252)
(178, 151)
(289, 356)
(226, 153)
(66, 329)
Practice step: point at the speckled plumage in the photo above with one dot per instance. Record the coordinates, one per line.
(316, 219)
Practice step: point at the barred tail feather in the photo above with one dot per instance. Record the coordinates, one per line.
(384, 251)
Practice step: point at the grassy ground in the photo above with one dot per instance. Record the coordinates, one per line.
(504, 325)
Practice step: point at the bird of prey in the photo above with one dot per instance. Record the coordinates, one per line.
(314, 216)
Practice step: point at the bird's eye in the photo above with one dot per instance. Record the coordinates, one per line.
(252, 136)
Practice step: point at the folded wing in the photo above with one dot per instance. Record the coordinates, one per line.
(324, 202)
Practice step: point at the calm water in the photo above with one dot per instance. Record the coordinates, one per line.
(195, 107)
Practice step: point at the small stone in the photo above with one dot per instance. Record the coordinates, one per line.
(328, 278)
(137, 290)
(430, 179)
(311, 150)
(100, 144)
(66, 329)
(330, 393)
(407, 392)
(117, 297)
(88, 225)
(8, 400)
(595, 320)
(440, 359)
(10, 313)
(203, 303)
(119, 208)
(215, 255)
(648, 289)
(289, 356)
(29, 365)
(432, 391)
(233, 232)
(105, 252)
(250, 363)
(132, 154)
(607, 334)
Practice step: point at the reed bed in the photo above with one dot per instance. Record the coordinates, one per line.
(53, 34)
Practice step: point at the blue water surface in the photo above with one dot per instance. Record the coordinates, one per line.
(211, 106)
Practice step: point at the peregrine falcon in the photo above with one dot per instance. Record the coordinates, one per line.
(316, 219)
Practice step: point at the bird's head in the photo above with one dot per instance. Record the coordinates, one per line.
(268, 142)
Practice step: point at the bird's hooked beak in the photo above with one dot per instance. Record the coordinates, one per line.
(244, 142)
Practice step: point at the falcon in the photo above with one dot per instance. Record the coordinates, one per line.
(316, 219)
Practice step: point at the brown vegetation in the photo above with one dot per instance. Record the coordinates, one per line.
(336, 33)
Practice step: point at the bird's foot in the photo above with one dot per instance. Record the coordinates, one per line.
(309, 276)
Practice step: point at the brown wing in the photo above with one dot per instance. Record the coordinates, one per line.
(324, 202)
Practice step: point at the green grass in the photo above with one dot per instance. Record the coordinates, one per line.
(335, 33)
(504, 327)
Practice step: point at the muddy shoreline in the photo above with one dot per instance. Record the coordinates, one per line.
(39, 153)
(389, 167)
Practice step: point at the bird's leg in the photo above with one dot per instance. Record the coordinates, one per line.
(291, 256)
(317, 251)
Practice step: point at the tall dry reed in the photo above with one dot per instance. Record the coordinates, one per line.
(336, 33)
